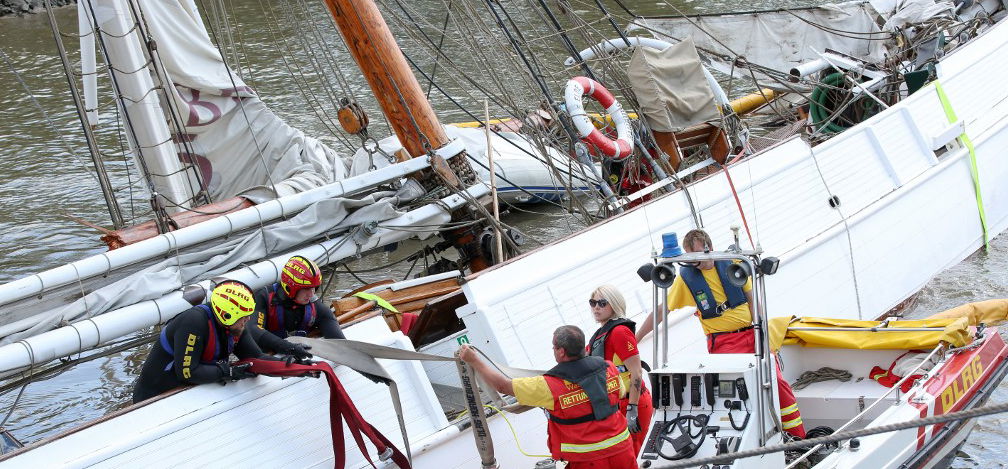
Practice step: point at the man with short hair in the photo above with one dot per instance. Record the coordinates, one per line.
(581, 395)
(723, 310)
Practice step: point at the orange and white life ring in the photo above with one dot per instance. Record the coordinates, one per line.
(580, 86)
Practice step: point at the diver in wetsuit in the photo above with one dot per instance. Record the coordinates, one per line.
(290, 307)
(195, 346)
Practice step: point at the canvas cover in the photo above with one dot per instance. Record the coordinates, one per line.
(325, 218)
(907, 12)
(953, 332)
(670, 87)
(779, 39)
(989, 312)
(239, 144)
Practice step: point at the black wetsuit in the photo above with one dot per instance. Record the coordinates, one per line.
(325, 320)
(188, 333)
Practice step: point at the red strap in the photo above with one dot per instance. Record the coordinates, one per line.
(340, 406)
(273, 323)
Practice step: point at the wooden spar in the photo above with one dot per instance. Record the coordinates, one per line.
(397, 90)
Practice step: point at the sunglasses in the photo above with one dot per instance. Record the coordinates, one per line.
(600, 303)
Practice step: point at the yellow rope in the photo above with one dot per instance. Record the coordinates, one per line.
(515, 434)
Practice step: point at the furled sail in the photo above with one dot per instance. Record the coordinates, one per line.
(239, 145)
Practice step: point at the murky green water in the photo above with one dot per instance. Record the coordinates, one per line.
(45, 187)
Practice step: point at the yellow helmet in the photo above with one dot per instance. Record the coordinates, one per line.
(230, 301)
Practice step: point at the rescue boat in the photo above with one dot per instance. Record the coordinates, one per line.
(848, 375)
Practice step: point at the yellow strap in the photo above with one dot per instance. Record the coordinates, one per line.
(590, 447)
(377, 299)
(789, 409)
(951, 115)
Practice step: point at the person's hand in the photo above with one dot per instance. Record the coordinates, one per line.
(297, 352)
(467, 353)
(236, 372)
(633, 424)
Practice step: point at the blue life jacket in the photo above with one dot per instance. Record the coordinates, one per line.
(702, 295)
(211, 350)
(275, 316)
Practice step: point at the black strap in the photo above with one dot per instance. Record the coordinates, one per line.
(597, 342)
(576, 420)
(715, 334)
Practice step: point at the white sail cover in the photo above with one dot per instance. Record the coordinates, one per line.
(240, 146)
(779, 39)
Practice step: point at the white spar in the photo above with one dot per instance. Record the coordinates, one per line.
(89, 333)
(103, 263)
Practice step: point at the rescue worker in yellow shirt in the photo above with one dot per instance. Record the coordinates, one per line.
(723, 310)
(581, 396)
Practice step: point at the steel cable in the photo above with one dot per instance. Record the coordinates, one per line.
(836, 437)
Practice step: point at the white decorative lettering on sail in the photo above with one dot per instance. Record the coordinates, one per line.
(239, 145)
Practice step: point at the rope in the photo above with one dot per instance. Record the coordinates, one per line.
(843, 217)
(48, 118)
(822, 374)
(514, 434)
(241, 106)
(738, 203)
(836, 437)
(31, 356)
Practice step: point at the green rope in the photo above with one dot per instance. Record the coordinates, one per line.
(951, 115)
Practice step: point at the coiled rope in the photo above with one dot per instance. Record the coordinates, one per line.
(822, 374)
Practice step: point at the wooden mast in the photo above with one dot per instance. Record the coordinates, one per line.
(406, 108)
(399, 94)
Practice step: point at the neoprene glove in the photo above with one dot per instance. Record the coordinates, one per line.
(299, 351)
(235, 373)
(633, 424)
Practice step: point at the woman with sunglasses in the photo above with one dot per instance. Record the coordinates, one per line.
(615, 342)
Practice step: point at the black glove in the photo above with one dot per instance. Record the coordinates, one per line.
(235, 373)
(633, 424)
(375, 378)
(298, 351)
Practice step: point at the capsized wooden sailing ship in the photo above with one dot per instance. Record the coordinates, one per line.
(844, 216)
